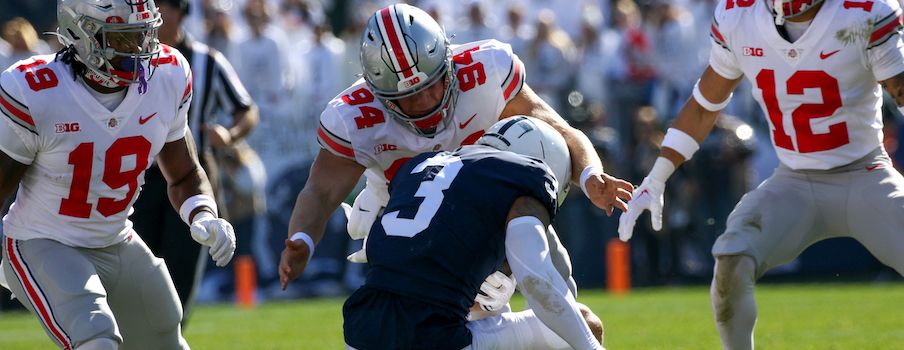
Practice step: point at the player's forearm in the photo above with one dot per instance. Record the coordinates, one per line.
(527, 253)
(583, 154)
(311, 213)
(696, 122)
(243, 122)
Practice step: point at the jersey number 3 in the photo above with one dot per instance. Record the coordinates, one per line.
(82, 157)
(801, 117)
(442, 169)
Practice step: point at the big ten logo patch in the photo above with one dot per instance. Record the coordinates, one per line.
(752, 51)
(384, 147)
(66, 127)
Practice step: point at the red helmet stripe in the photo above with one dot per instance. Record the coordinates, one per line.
(392, 31)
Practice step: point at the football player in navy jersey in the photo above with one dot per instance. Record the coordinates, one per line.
(452, 219)
(419, 93)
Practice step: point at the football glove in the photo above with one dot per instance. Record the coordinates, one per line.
(495, 291)
(368, 206)
(647, 196)
(216, 234)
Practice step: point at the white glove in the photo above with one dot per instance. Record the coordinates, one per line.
(368, 206)
(647, 196)
(216, 234)
(495, 291)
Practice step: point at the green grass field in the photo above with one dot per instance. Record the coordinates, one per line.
(792, 316)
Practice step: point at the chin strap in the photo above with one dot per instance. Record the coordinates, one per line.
(777, 6)
(117, 78)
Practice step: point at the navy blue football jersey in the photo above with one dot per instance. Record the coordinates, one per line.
(441, 234)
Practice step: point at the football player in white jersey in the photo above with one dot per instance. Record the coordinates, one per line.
(816, 67)
(80, 129)
(419, 94)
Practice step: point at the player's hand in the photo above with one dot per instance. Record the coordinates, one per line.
(647, 196)
(608, 192)
(363, 213)
(218, 135)
(215, 233)
(293, 260)
(495, 291)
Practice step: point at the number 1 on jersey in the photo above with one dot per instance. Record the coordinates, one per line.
(82, 160)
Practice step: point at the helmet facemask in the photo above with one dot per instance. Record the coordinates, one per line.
(435, 121)
(114, 41)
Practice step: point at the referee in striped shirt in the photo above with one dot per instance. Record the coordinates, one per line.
(216, 89)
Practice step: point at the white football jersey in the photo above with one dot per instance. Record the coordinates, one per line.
(820, 93)
(356, 126)
(85, 163)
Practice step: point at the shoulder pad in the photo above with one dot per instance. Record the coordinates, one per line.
(727, 15)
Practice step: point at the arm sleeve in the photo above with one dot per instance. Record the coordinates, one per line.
(886, 51)
(721, 59)
(180, 124)
(528, 254)
(18, 135)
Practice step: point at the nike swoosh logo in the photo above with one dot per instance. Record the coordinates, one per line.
(463, 125)
(145, 120)
(642, 192)
(826, 55)
(872, 167)
(364, 210)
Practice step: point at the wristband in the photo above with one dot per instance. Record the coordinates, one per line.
(709, 106)
(193, 202)
(662, 169)
(587, 173)
(307, 239)
(681, 142)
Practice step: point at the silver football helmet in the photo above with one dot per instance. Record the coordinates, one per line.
(403, 52)
(97, 30)
(790, 8)
(533, 137)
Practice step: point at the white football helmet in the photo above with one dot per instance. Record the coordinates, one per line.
(403, 52)
(533, 137)
(88, 27)
(790, 8)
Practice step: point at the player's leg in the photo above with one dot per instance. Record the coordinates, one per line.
(877, 213)
(770, 226)
(144, 299)
(523, 330)
(60, 285)
(99, 344)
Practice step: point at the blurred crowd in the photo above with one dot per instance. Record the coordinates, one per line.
(620, 70)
